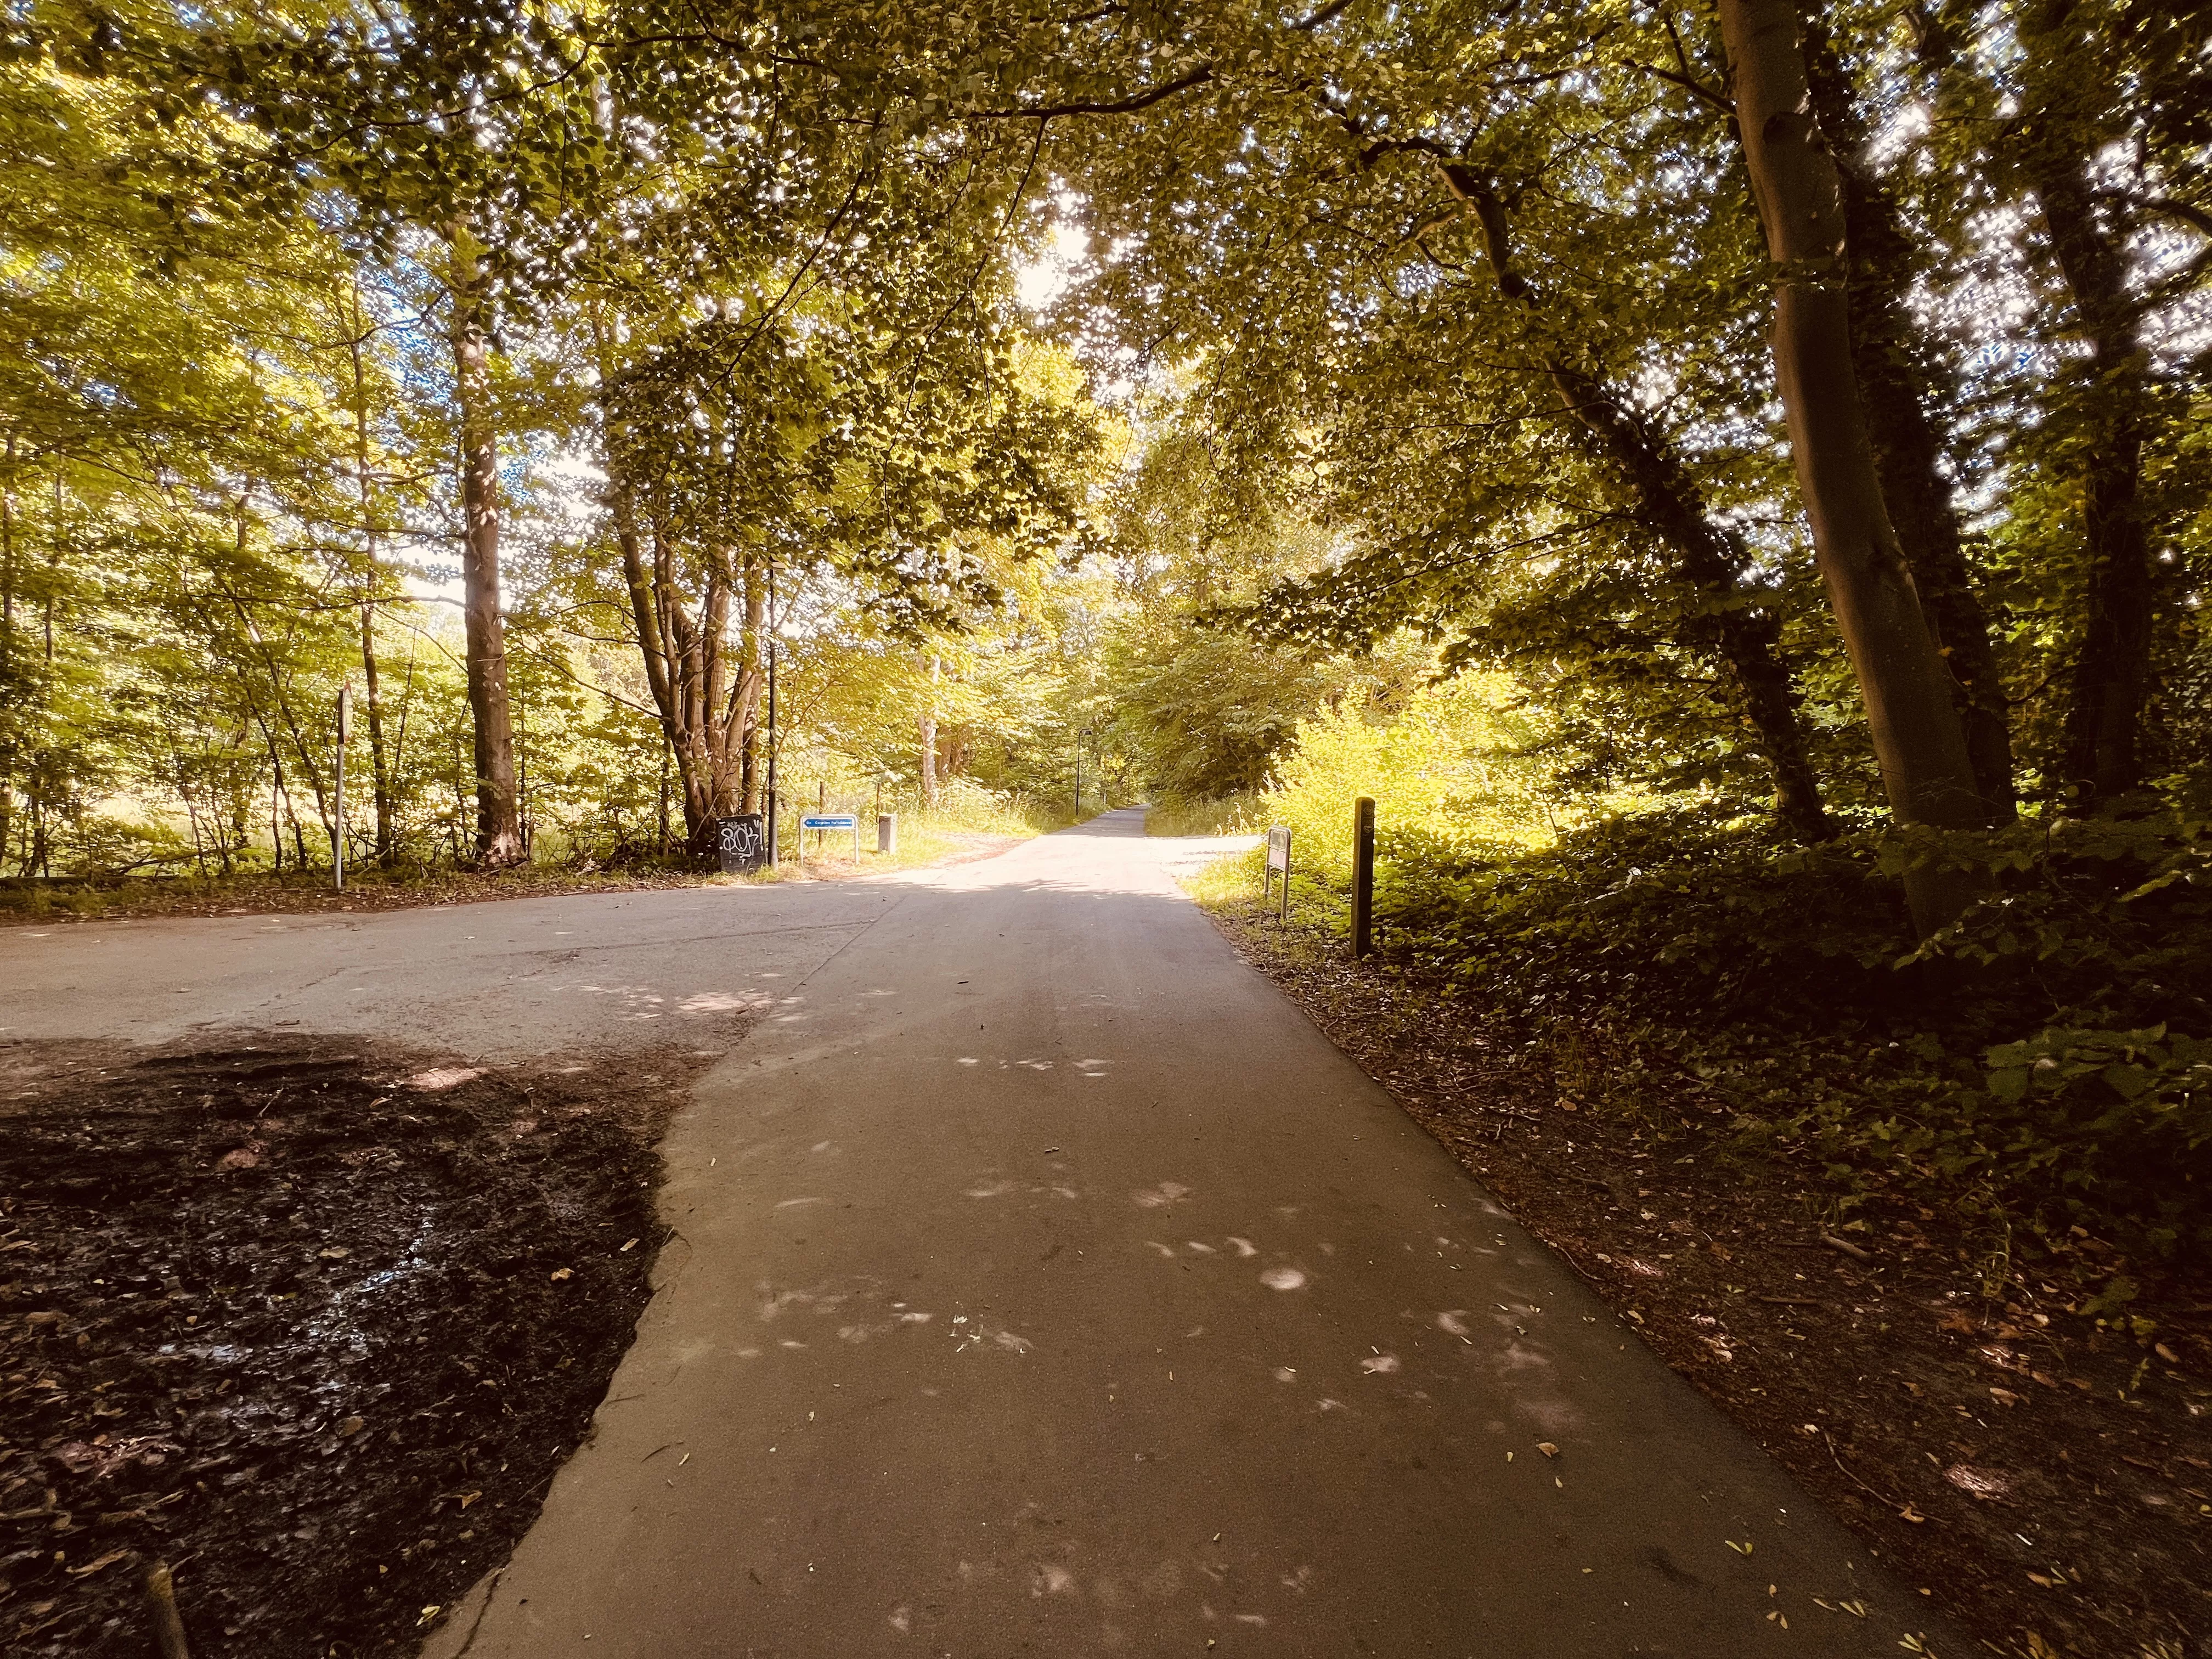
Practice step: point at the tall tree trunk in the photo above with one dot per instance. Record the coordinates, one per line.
(2111, 683)
(1917, 736)
(752, 680)
(1896, 375)
(927, 721)
(684, 668)
(7, 694)
(381, 772)
(277, 691)
(1734, 625)
(499, 827)
(379, 768)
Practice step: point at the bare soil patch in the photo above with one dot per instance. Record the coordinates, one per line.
(2042, 1474)
(312, 1322)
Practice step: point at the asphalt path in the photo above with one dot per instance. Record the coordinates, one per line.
(1043, 1283)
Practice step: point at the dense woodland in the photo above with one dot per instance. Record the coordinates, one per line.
(1732, 479)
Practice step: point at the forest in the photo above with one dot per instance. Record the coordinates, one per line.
(1758, 561)
(1732, 480)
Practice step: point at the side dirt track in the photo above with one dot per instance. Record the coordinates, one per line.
(315, 1322)
(47, 903)
(2044, 1478)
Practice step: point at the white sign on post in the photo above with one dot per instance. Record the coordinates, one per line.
(1278, 860)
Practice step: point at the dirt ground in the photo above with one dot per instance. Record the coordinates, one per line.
(312, 895)
(2043, 1476)
(312, 1323)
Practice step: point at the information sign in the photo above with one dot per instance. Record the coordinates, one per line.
(1279, 863)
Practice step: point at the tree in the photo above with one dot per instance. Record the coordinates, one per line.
(1917, 736)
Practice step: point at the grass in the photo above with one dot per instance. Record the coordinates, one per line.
(965, 819)
(1236, 815)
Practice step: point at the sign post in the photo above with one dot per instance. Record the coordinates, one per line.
(345, 732)
(1278, 859)
(821, 822)
(741, 843)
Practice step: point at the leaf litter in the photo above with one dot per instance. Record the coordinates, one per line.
(329, 1384)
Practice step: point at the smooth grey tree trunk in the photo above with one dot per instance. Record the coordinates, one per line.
(1918, 740)
(499, 823)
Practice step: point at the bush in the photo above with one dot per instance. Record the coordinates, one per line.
(1677, 914)
(2049, 1057)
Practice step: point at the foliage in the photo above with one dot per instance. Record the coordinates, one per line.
(2039, 1055)
(1451, 765)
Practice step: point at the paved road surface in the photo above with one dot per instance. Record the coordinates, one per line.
(1044, 1284)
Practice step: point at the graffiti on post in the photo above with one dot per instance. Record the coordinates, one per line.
(743, 842)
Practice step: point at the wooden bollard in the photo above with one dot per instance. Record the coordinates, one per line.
(1363, 876)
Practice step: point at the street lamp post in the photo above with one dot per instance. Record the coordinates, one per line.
(1079, 737)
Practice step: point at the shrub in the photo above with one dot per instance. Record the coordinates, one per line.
(2049, 1056)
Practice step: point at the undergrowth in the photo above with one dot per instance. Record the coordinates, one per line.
(1232, 815)
(2045, 1066)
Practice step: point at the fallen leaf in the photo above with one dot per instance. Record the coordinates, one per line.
(333, 1253)
(631, 1245)
(469, 1498)
(562, 1273)
(428, 1613)
(2166, 1353)
(1908, 1513)
(1955, 1320)
(441, 1076)
(2004, 1396)
(1743, 1549)
(1979, 1483)
(91, 1567)
(1548, 1449)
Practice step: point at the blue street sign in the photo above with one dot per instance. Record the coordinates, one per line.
(830, 821)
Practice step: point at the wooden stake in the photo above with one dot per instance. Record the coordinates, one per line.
(1363, 876)
(162, 1601)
